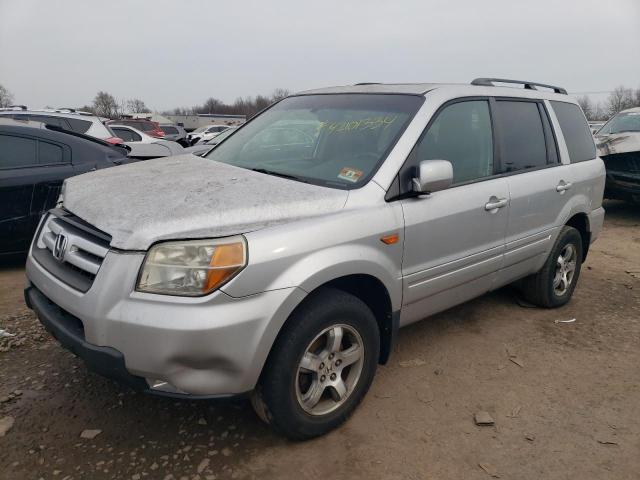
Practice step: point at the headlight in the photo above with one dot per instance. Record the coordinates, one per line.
(192, 268)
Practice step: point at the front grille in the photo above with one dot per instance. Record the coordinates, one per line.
(71, 249)
(628, 162)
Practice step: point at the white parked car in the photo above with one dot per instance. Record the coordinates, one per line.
(205, 133)
(143, 145)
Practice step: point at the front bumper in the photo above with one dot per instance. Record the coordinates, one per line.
(203, 347)
(622, 186)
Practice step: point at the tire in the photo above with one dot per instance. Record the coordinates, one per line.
(540, 288)
(285, 395)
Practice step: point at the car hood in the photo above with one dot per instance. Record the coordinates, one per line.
(618, 143)
(190, 197)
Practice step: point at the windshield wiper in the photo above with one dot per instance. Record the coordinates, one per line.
(279, 174)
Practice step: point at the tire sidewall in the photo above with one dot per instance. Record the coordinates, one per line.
(279, 387)
(568, 235)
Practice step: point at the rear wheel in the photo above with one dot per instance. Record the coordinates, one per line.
(554, 284)
(321, 366)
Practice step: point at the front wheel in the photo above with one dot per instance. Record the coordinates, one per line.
(320, 367)
(554, 284)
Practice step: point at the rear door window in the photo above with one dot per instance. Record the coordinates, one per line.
(575, 131)
(522, 135)
(126, 134)
(17, 151)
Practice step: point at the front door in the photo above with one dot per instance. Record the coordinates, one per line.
(454, 238)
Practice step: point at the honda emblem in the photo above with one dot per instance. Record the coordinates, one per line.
(59, 247)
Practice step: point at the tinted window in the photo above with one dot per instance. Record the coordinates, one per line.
(523, 142)
(57, 122)
(169, 130)
(17, 151)
(461, 134)
(77, 125)
(575, 131)
(50, 153)
(144, 126)
(126, 134)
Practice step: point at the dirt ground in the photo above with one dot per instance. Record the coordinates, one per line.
(565, 397)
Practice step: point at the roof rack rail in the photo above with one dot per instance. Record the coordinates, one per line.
(488, 82)
(15, 107)
(65, 109)
(366, 83)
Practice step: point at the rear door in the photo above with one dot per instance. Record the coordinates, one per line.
(538, 183)
(454, 238)
(18, 174)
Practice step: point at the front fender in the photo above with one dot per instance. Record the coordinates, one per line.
(310, 253)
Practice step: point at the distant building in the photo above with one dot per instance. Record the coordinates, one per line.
(191, 122)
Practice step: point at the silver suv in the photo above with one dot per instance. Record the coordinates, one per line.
(282, 264)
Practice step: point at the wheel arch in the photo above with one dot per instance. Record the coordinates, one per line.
(580, 221)
(373, 292)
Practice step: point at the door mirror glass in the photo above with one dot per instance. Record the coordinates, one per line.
(433, 175)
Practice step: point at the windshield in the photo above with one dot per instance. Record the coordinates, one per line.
(336, 140)
(623, 122)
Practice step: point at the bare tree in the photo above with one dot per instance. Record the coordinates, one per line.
(279, 94)
(637, 98)
(211, 105)
(600, 111)
(6, 98)
(248, 106)
(620, 99)
(105, 105)
(587, 106)
(135, 105)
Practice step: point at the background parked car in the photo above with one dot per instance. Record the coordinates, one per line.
(618, 143)
(205, 133)
(147, 126)
(65, 118)
(595, 126)
(203, 147)
(34, 160)
(175, 133)
(144, 146)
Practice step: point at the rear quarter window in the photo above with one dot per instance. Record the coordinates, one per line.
(50, 153)
(80, 126)
(575, 131)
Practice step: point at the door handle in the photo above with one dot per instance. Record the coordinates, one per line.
(562, 186)
(495, 203)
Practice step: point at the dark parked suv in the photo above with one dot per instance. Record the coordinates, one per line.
(34, 160)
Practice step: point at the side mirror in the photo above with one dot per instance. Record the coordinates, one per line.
(433, 175)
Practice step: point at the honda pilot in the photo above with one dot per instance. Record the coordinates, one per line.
(282, 264)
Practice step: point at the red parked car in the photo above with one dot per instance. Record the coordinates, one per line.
(146, 126)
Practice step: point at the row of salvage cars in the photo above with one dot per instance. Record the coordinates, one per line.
(39, 149)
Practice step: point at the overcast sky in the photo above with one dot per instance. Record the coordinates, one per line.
(178, 53)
